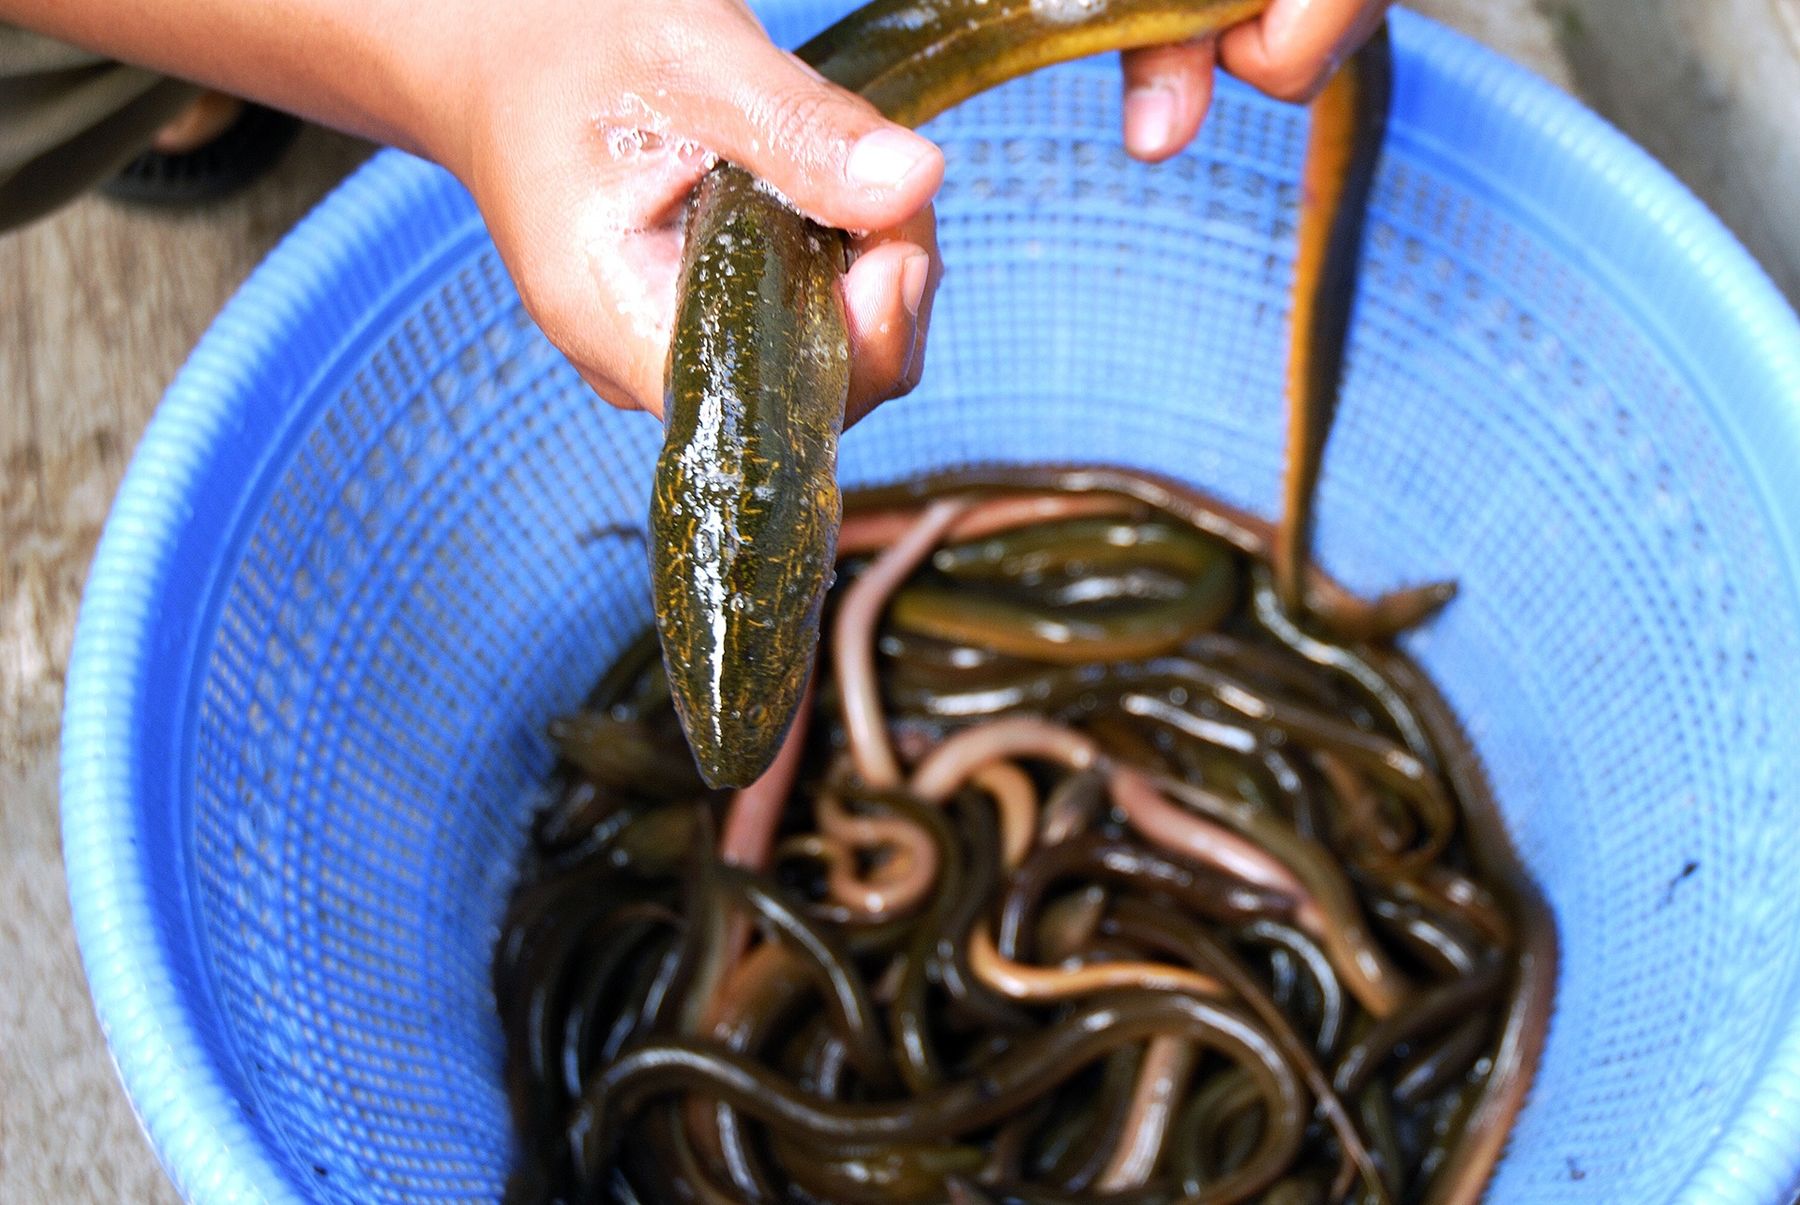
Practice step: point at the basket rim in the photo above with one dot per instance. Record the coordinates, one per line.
(1738, 328)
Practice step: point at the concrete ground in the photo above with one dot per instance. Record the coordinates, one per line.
(1713, 90)
(98, 307)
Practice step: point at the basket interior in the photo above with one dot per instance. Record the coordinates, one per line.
(422, 561)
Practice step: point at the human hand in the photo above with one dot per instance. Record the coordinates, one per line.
(582, 131)
(1288, 52)
(582, 164)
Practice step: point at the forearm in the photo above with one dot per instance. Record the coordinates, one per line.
(369, 67)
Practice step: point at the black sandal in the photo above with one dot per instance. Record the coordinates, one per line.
(242, 153)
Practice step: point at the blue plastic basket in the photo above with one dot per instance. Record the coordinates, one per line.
(360, 558)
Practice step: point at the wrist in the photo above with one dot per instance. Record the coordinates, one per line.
(384, 70)
(425, 81)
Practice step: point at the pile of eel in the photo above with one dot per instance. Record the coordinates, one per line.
(1106, 851)
(1087, 874)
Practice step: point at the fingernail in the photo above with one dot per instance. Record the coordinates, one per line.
(885, 158)
(915, 270)
(1149, 118)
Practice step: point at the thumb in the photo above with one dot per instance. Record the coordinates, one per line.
(826, 150)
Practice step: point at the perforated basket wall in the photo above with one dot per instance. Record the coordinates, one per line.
(362, 556)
